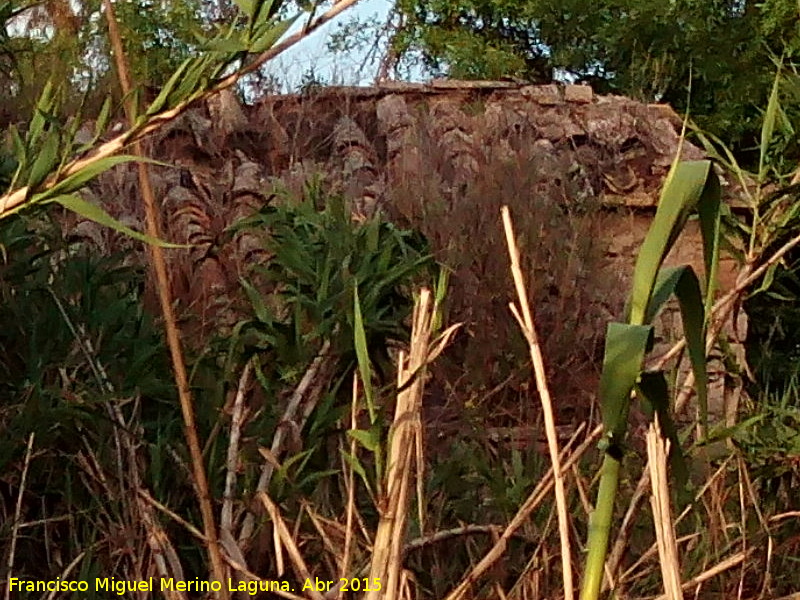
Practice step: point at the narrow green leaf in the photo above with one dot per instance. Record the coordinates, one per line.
(358, 468)
(769, 277)
(246, 6)
(682, 190)
(20, 152)
(102, 119)
(768, 127)
(441, 291)
(265, 40)
(91, 211)
(194, 79)
(362, 355)
(262, 12)
(46, 159)
(654, 391)
(39, 119)
(683, 282)
(722, 433)
(226, 45)
(257, 302)
(161, 100)
(368, 438)
(709, 210)
(77, 180)
(626, 346)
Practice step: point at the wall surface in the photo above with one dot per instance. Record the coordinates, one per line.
(443, 157)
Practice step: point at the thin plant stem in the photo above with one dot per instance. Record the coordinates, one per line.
(218, 568)
(529, 329)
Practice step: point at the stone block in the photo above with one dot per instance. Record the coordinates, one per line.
(580, 94)
(546, 95)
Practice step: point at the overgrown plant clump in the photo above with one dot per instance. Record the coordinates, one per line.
(74, 342)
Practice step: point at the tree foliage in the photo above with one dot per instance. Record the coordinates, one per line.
(725, 49)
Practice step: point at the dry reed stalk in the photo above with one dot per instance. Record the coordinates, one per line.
(344, 565)
(720, 567)
(657, 451)
(219, 570)
(534, 499)
(529, 330)
(301, 392)
(285, 539)
(65, 573)
(387, 556)
(721, 470)
(232, 459)
(164, 555)
(18, 511)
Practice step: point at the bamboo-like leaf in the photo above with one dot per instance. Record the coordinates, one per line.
(102, 119)
(161, 100)
(362, 354)
(262, 12)
(246, 6)
(654, 391)
(682, 190)
(77, 180)
(91, 211)
(20, 154)
(626, 346)
(356, 465)
(272, 33)
(368, 438)
(194, 79)
(769, 278)
(683, 283)
(46, 159)
(231, 45)
(768, 127)
(709, 210)
(39, 118)
(257, 302)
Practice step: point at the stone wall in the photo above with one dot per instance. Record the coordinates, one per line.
(412, 150)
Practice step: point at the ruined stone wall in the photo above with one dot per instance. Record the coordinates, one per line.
(442, 157)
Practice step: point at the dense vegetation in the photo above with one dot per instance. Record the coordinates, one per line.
(274, 448)
(714, 58)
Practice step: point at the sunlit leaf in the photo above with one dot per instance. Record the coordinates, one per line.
(160, 101)
(683, 283)
(625, 349)
(768, 127)
(95, 213)
(682, 190)
(46, 159)
(102, 119)
(226, 45)
(368, 438)
(362, 355)
(76, 181)
(39, 118)
(246, 6)
(272, 33)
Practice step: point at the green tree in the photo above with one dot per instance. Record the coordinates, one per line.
(648, 50)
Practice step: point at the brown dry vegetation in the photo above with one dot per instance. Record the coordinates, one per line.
(442, 161)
